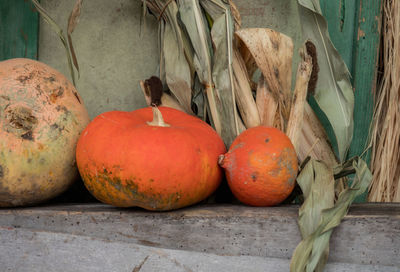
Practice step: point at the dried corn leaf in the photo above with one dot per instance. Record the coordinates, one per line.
(314, 140)
(334, 93)
(166, 12)
(250, 63)
(221, 35)
(199, 100)
(317, 217)
(273, 53)
(72, 23)
(177, 70)
(296, 118)
(317, 183)
(189, 54)
(243, 93)
(196, 27)
(60, 34)
(267, 105)
(235, 14)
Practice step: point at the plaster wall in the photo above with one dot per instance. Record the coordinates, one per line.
(113, 55)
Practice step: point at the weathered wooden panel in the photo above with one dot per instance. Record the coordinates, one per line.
(18, 30)
(370, 234)
(341, 18)
(366, 48)
(354, 28)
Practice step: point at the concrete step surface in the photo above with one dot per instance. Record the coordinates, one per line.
(97, 237)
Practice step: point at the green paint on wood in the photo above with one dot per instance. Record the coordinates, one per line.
(19, 25)
(340, 15)
(355, 31)
(365, 59)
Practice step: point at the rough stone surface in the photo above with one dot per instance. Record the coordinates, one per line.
(201, 238)
(31, 251)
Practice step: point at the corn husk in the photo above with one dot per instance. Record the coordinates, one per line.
(221, 37)
(175, 66)
(267, 105)
(243, 93)
(236, 15)
(199, 35)
(385, 161)
(273, 53)
(314, 141)
(296, 117)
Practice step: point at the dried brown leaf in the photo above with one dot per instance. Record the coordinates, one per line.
(303, 76)
(243, 93)
(236, 15)
(266, 105)
(314, 140)
(72, 23)
(273, 53)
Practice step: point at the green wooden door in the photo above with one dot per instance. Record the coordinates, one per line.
(19, 25)
(354, 28)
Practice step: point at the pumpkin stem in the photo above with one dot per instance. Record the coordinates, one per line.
(221, 159)
(158, 120)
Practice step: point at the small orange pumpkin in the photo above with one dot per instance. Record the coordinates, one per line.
(126, 161)
(261, 166)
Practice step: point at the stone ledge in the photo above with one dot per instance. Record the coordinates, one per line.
(369, 234)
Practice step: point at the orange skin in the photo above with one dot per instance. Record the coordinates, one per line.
(125, 162)
(41, 117)
(261, 166)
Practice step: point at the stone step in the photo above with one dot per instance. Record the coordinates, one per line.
(200, 238)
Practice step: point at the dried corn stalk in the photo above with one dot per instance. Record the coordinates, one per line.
(296, 117)
(243, 93)
(385, 162)
(72, 23)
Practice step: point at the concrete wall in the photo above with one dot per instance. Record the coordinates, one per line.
(112, 55)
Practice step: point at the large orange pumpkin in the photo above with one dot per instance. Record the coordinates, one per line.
(126, 161)
(41, 117)
(261, 166)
